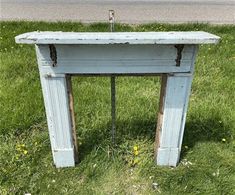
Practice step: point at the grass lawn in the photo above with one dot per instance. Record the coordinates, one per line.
(207, 163)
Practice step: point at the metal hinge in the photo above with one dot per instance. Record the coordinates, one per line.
(179, 48)
(53, 54)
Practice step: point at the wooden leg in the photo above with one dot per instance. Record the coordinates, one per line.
(173, 107)
(56, 100)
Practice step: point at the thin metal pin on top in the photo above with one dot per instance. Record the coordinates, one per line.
(111, 20)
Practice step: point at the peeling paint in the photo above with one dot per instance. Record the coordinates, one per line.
(179, 54)
(53, 54)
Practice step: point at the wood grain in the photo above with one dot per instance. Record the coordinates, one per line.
(72, 116)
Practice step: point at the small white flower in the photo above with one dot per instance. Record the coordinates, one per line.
(155, 185)
(187, 163)
(216, 173)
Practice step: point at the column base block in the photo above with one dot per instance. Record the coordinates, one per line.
(64, 157)
(168, 156)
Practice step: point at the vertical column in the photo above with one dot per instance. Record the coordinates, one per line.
(58, 118)
(171, 120)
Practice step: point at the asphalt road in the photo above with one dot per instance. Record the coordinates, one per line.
(126, 11)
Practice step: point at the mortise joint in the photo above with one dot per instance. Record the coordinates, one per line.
(179, 48)
(53, 54)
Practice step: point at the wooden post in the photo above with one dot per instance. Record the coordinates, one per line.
(56, 100)
(172, 119)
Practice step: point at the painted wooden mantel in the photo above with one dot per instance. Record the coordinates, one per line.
(170, 55)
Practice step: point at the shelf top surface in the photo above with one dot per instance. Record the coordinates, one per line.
(187, 37)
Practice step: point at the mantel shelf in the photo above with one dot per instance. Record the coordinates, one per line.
(189, 37)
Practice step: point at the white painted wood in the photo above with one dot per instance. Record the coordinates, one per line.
(113, 69)
(187, 95)
(190, 37)
(111, 59)
(175, 108)
(58, 118)
(117, 52)
(174, 115)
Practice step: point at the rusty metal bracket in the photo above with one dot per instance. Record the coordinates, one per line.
(53, 54)
(179, 48)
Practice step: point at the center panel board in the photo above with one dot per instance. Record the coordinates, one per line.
(119, 58)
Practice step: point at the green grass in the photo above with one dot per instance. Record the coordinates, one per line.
(207, 162)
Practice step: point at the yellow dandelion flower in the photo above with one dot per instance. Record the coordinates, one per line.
(25, 152)
(223, 140)
(135, 148)
(136, 152)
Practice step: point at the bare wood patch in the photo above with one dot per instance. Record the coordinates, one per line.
(72, 116)
(160, 113)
